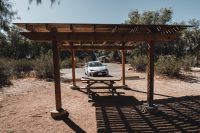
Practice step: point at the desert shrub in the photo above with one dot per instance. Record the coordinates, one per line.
(44, 66)
(188, 62)
(7, 66)
(168, 65)
(80, 62)
(21, 67)
(16, 68)
(3, 76)
(4, 73)
(66, 63)
(139, 63)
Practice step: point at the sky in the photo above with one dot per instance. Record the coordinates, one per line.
(100, 11)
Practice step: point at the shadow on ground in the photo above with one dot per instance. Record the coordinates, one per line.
(123, 114)
(188, 78)
(4, 83)
(144, 92)
(76, 128)
(73, 125)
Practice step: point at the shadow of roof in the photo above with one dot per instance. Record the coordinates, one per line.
(123, 114)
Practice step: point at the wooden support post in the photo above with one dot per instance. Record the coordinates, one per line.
(150, 73)
(123, 67)
(59, 111)
(73, 67)
(149, 107)
(57, 75)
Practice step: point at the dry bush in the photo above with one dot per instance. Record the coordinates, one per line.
(139, 63)
(188, 62)
(168, 65)
(4, 72)
(44, 66)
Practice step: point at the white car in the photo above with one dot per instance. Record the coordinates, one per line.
(96, 68)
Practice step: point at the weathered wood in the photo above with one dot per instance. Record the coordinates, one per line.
(73, 67)
(104, 80)
(105, 92)
(57, 75)
(150, 73)
(102, 87)
(72, 27)
(123, 67)
(104, 47)
(99, 36)
(100, 79)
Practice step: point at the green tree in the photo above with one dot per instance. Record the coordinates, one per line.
(162, 16)
(16, 46)
(194, 35)
(7, 14)
(40, 1)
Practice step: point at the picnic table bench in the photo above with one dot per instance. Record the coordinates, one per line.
(108, 83)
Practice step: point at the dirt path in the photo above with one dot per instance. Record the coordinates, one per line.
(25, 107)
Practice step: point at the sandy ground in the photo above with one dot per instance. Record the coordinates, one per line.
(25, 107)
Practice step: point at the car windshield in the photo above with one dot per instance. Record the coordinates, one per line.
(95, 64)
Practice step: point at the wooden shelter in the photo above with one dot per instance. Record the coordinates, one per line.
(122, 37)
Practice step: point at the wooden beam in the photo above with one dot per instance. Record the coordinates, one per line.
(82, 47)
(57, 75)
(123, 66)
(113, 30)
(104, 43)
(150, 73)
(73, 67)
(102, 87)
(70, 28)
(100, 36)
(94, 27)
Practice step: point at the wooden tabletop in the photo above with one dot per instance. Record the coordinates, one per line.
(100, 78)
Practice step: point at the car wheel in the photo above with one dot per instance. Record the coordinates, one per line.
(107, 74)
(92, 75)
(88, 74)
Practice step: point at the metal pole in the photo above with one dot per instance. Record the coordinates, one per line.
(150, 73)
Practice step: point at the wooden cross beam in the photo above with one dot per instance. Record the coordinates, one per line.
(82, 47)
(100, 36)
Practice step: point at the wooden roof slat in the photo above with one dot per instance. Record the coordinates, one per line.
(65, 27)
(87, 34)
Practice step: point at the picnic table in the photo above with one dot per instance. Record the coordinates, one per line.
(108, 83)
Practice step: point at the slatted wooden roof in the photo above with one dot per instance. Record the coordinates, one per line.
(86, 35)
